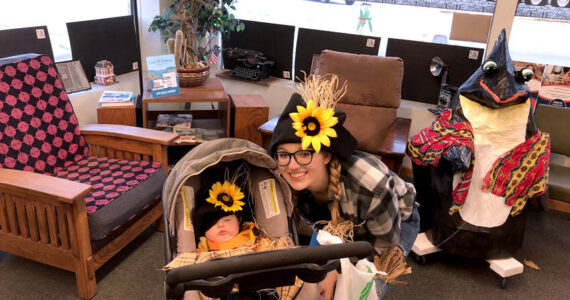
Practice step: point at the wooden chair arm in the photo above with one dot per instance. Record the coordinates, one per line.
(393, 147)
(129, 132)
(128, 142)
(394, 144)
(39, 186)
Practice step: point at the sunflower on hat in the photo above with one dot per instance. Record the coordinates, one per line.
(313, 123)
(227, 196)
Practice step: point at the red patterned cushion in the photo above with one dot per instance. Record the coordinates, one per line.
(109, 177)
(39, 131)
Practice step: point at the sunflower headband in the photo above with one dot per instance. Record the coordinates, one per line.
(313, 123)
(227, 196)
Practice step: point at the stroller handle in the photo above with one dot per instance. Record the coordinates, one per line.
(260, 261)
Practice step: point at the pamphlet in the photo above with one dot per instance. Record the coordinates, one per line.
(555, 88)
(162, 75)
(116, 98)
(174, 120)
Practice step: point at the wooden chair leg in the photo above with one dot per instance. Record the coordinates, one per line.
(85, 278)
(160, 224)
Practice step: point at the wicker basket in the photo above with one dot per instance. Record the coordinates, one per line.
(193, 77)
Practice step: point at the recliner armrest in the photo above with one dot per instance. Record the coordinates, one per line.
(393, 146)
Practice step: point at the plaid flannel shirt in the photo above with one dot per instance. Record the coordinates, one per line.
(373, 196)
(377, 196)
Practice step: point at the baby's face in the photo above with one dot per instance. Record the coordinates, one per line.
(224, 230)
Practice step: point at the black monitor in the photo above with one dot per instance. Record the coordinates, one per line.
(113, 39)
(312, 41)
(274, 40)
(25, 40)
(419, 84)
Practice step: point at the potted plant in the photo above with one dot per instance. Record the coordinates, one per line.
(189, 28)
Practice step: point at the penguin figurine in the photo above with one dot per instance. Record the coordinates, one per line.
(480, 162)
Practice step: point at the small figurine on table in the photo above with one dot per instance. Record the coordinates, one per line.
(104, 73)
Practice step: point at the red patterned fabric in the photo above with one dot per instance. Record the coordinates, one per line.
(110, 178)
(521, 173)
(427, 147)
(461, 191)
(39, 131)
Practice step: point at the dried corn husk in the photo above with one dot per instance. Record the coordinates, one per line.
(531, 264)
(392, 262)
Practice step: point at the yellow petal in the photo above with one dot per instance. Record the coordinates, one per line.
(317, 112)
(305, 142)
(316, 144)
(310, 105)
(324, 140)
(300, 133)
(328, 113)
(298, 126)
(295, 117)
(329, 132)
(329, 123)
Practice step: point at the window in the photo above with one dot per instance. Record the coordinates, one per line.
(54, 14)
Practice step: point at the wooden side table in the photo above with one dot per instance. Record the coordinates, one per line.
(211, 91)
(120, 115)
(249, 112)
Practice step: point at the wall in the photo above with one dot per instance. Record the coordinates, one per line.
(277, 95)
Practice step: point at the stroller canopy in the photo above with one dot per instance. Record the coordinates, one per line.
(210, 154)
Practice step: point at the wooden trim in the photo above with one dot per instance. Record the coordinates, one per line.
(394, 144)
(113, 146)
(559, 205)
(129, 132)
(407, 172)
(37, 251)
(33, 185)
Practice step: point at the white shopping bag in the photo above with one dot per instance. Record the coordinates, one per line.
(354, 282)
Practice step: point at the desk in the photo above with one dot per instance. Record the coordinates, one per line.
(211, 91)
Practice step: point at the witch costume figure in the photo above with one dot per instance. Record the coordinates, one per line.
(480, 162)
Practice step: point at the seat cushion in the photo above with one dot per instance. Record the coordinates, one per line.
(121, 189)
(368, 124)
(559, 183)
(372, 80)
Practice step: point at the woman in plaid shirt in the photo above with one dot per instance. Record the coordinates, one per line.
(332, 181)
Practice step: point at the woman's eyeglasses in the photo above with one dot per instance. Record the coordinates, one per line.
(302, 157)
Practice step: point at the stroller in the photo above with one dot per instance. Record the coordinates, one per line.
(271, 208)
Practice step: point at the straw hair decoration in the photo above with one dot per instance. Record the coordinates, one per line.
(325, 93)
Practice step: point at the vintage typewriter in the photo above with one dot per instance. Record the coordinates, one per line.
(247, 64)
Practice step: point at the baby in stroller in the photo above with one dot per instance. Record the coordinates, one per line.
(220, 221)
(267, 204)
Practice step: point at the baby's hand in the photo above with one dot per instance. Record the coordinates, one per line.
(326, 287)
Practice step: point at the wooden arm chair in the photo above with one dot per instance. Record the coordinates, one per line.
(371, 102)
(70, 196)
